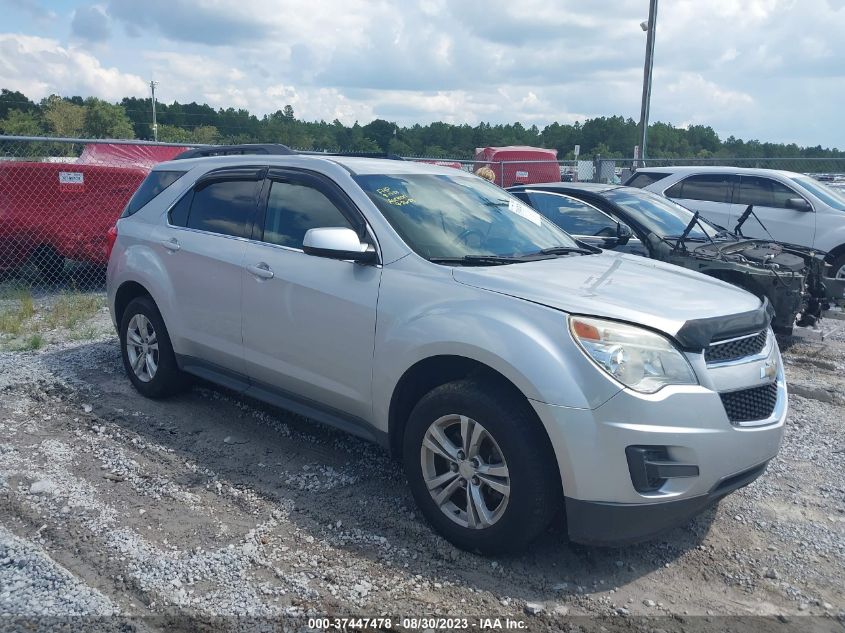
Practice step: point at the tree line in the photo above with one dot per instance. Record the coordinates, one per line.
(612, 137)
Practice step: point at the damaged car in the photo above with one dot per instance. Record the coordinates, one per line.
(643, 223)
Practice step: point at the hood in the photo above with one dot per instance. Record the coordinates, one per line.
(617, 286)
(758, 252)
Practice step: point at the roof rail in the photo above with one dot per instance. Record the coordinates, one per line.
(233, 150)
(387, 155)
(276, 149)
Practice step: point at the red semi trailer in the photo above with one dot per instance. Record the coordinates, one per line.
(52, 211)
(519, 164)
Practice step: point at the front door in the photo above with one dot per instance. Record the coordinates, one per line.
(769, 199)
(308, 321)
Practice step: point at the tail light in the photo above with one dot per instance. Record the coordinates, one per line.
(111, 237)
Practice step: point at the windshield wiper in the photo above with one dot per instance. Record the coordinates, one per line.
(563, 250)
(476, 260)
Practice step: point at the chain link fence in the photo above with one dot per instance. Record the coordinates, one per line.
(515, 172)
(58, 200)
(59, 197)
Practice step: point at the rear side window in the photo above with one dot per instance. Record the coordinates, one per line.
(644, 179)
(225, 207)
(293, 209)
(178, 215)
(154, 184)
(709, 188)
(764, 192)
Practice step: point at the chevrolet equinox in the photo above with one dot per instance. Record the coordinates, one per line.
(515, 371)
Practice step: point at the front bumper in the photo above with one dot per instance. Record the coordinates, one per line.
(602, 523)
(688, 423)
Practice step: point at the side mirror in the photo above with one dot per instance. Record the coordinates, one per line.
(799, 204)
(623, 234)
(337, 243)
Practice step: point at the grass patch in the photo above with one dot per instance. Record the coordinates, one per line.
(27, 325)
(30, 343)
(19, 310)
(86, 333)
(70, 309)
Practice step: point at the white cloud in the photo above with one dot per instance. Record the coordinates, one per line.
(40, 66)
(722, 63)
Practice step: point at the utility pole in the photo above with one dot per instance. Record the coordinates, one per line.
(153, 85)
(649, 27)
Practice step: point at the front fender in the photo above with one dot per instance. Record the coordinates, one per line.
(527, 343)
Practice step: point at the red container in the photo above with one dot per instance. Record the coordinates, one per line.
(68, 207)
(519, 164)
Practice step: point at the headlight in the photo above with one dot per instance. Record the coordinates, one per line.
(636, 357)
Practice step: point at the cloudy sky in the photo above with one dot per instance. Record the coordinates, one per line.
(767, 69)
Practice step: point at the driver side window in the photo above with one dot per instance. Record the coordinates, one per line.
(572, 215)
(764, 192)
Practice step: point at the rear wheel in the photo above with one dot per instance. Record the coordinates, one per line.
(148, 355)
(480, 467)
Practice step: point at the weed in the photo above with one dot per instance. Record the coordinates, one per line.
(30, 343)
(71, 308)
(21, 308)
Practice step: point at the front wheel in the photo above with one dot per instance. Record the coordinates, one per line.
(148, 355)
(480, 467)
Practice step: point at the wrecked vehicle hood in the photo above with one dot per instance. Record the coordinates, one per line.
(759, 252)
(617, 286)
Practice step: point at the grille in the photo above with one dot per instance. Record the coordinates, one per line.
(746, 405)
(733, 350)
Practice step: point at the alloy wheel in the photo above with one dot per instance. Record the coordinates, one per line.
(142, 347)
(465, 471)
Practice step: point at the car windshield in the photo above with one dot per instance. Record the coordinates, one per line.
(444, 217)
(660, 215)
(830, 196)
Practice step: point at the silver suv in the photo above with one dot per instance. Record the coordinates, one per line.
(515, 371)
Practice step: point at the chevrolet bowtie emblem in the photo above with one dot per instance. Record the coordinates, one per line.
(769, 370)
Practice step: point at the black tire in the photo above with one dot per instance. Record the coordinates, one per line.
(50, 264)
(167, 379)
(535, 488)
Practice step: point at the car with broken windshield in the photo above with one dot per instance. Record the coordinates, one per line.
(516, 372)
(631, 220)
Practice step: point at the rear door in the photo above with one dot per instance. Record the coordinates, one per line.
(202, 246)
(769, 199)
(710, 194)
(309, 322)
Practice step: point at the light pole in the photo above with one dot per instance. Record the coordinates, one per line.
(153, 85)
(649, 28)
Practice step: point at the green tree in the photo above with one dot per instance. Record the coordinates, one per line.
(106, 120)
(14, 100)
(20, 123)
(173, 134)
(205, 135)
(63, 117)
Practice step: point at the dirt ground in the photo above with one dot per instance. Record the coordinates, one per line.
(209, 505)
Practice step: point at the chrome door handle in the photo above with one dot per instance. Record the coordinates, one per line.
(261, 270)
(172, 244)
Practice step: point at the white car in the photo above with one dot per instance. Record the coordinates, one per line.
(795, 208)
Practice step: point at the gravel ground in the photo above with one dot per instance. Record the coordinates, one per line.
(208, 505)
